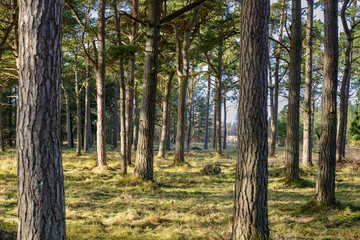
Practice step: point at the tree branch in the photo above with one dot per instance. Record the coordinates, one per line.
(181, 11)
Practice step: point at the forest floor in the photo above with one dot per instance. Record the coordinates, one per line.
(182, 204)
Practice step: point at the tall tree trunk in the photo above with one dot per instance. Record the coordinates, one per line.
(41, 199)
(123, 156)
(325, 184)
(100, 87)
(144, 159)
(168, 143)
(130, 86)
(68, 120)
(251, 179)
(136, 120)
(345, 84)
(275, 108)
(206, 138)
(307, 147)
(190, 96)
(165, 116)
(218, 100)
(87, 127)
(292, 125)
(2, 145)
(116, 116)
(225, 113)
(214, 129)
(183, 66)
(78, 108)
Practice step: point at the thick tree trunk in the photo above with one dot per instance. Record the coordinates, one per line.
(165, 116)
(307, 147)
(325, 184)
(144, 159)
(292, 126)
(78, 109)
(218, 100)
(345, 84)
(274, 113)
(116, 116)
(136, 120)
(68, 121)
(87, 127)
(100, 85)
(225, 113)
(206, 138)
(251, 180)
(41, 200)
(123, 156)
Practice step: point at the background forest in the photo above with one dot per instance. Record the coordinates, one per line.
(189, 108)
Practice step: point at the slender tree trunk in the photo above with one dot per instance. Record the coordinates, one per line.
(78, 108)
(190, 95)
(218, 100)
(116, 116)
(87, 127)
(123, 156)
(165, 116)
(274, 113)
(345, 84)
(68, 120)
(292, 126)
(251, 179)
(144, 159)
(168, 143)
(206, 138)
(214, 127)
(225, 113)
(136, 121)
(325, 184)
(100, 85)
(41, 200)
(307, 147)
(2, 145)
(130, 86)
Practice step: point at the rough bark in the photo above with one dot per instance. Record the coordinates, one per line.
(325, 184)
(292, 125)
(274, 113)
(307, 147)
(345, 84)
(78, 108)
(41, 200)
(251, 180)
(116, 116)
(206, 138)
(165, 116)
(123, 156)
(100, 87)
(87, 127)
(144, 159)
(214, 129)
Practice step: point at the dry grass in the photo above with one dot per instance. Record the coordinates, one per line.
(182, 204)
